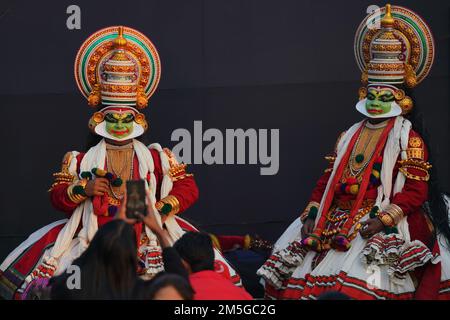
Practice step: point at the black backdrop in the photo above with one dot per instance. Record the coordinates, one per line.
(232, 64)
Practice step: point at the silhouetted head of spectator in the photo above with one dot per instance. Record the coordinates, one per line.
(107, 268)
(165, 286)
(333, 295)
(196, 251)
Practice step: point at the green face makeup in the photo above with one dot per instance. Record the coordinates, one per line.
(119, 125)
(379, 102)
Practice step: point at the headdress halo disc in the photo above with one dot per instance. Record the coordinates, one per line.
(100, 44)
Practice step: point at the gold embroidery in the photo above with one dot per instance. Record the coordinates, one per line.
(415, 148)
(173, 201)
(177, 171)
(63, 177)
(415, 164)
(415, 142)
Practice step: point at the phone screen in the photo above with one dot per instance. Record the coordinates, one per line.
(136, 199)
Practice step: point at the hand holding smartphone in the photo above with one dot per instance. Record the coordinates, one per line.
(136, 205)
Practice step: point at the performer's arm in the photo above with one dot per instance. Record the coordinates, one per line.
(61, 196)
(184, 191)
(415, 190)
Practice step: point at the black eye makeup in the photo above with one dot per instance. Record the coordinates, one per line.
(110, 118)
(387, 97)
(129, 118)
(370, 96)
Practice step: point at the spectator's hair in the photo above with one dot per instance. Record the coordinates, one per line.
(197, 250)
(108, 266)
(333, 295)
(149, 289)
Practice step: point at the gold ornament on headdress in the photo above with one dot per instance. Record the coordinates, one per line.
(141, 99)
(410, 76)
(96, 118)
(388, 20)
(118, 66)
(406, 104)
(362, 93)
(95, 96)
(140, 119)
(400, 51)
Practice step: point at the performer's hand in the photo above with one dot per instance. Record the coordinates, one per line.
(97, 187)
(371, 227)
(307, 228)
(122, 212)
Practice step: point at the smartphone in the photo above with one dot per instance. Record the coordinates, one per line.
(136, 199)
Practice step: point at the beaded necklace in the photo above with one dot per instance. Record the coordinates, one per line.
(360, 157)
(120, 173)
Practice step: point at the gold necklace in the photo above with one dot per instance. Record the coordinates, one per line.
(354, 171)
(114, 154)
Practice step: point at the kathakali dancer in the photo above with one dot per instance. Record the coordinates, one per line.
(375, 227)
(117, 69)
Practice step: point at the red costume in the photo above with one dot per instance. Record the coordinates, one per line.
(119, 68)
(370, 237)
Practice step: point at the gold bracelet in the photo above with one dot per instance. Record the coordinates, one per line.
(395, 212)
(75, 198)
(173, 201)
(305, 212)
(386, 219)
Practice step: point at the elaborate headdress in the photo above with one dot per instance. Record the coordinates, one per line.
(119, 68)
(393, 47)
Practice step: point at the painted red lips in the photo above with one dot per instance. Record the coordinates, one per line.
(120, 132)
(377, 111)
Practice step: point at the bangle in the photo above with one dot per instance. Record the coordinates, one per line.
(74, 197)
(173, 202)
(395, 212)
(386, 219)
(306, 212)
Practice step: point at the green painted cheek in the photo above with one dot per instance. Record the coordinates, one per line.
(119, 130)
(377, 107)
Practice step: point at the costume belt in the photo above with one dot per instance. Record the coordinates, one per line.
(348, 204)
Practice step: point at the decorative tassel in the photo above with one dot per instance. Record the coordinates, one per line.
(312, 242)
(86, 175)
(117, 182)
(373, 212)
(340, 242)
(99, 172)
(79, 190)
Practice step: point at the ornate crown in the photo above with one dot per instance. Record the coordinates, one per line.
(401, 51)
(117, 66)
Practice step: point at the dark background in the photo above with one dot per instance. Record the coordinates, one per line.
(230, 63)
